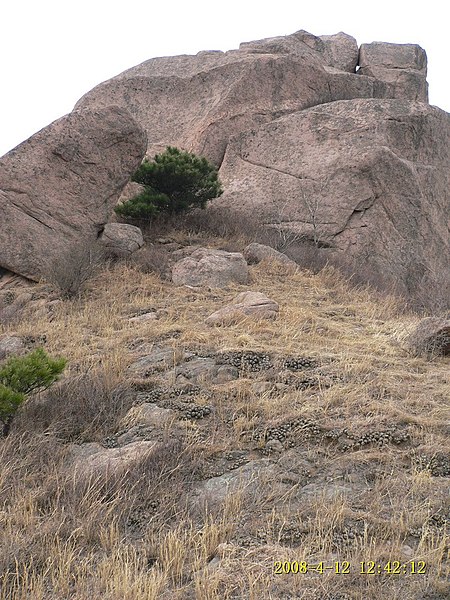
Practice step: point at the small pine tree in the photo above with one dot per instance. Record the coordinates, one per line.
(24, 375)
(175, 182)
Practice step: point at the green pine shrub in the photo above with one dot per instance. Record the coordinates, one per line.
(175, 182)
(21, 376)
(10, 402)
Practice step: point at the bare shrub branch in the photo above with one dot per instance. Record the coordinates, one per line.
(70, 271)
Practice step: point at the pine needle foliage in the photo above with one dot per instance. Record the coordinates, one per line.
(9, 402)
(175, 182)
(21, 376)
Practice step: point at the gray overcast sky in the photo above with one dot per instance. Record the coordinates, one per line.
(54, 51)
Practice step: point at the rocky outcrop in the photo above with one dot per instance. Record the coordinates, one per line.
(351, 161)
(209, 267)
(363, 182)
(199, 102)
(58, 188)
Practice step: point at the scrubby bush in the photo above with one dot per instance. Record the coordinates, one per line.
(73, 267)
(175, 181)
(24, 375)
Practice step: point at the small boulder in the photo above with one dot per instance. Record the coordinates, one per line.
(246, 304)
(200, 370)
(249, 479)
(254, 253)
(209, 267)
(274, 446)
(121, 240)
(431, 337)
(226, 373)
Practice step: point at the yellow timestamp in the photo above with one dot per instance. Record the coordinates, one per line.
(369, 567)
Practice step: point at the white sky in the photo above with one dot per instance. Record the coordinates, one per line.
(53, 51)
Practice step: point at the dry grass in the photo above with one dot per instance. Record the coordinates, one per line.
(136, 534)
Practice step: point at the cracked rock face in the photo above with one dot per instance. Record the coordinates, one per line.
(364, 182)
(58, 188)
(403, 67)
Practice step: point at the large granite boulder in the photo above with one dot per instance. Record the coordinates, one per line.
(58, 188)
(199, 102)
(363, 182)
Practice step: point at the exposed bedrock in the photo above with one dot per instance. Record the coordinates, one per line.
(365, 182)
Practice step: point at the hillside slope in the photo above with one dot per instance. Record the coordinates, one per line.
(178, 460)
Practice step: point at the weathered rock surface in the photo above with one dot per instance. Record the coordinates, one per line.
(22, 299)
(197, 370)
(250, 478)
(363, 182)
(199, 102)
(131, 190)
(121, 239)
(403, 67)
(341, 51)
(13, 303)
(159, 358)
(150, 414)
(10, 345)
(431, 337)
(58, 188)
(209, 267)
(144, 317)
(254, 253)
(247, 304)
